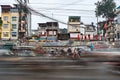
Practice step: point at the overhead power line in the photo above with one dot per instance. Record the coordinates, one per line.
(39, 13)
(33, 11)
(66, 9)
(74, 2)
(70, 15)
(67, 12)
(61, 4)
(43, 15)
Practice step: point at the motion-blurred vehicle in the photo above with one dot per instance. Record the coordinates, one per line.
(103, 54)
(52, 52)
(100, 45)
(115, 65)
(26, 54)
(113, 56)
(107, 52)
(24, 51)
(9, 46)
(40, 50)
(6, 52)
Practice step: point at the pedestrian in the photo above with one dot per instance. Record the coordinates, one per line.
(75, 54)
(79, 51)
(52, 51)
(69, 51)
(62, 52)
(91, 46)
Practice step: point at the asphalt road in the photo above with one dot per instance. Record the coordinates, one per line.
(52, 68)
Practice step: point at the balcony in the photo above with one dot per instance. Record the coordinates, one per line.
(52, 27)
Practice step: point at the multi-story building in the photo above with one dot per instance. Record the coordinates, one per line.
(14, 22)
(52, 30)
(110, 32)
(90, 33)
(24, 20)
(48, 31)
(63, 31)
(82, 29)
(63, 34)
(74, 27)
(42, 33)
(6, 26)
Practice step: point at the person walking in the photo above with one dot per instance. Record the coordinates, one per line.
(69, 51)
(75, 54)
(91, 46)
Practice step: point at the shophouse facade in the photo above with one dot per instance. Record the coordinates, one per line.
(6, 25)
(74, 27)
(16, 22)
(48, 31)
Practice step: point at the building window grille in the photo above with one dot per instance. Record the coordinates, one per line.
(5, 26)
(14, 26)
(14, 18)
(5, 18)
(5, 34)
(14, 34)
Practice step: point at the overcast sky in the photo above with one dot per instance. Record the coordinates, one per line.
(61, 9)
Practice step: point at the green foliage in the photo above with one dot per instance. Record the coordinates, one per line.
(106, 8)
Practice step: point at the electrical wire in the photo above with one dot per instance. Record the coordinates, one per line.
(33, 11)
(74, 2)
(66, 9)
(61, 4)
(40, 14)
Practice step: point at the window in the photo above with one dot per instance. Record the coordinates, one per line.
(5, 26)
(14, 34)
(14, 26)
(71, 20)
(5, 18)
(14, 18)
(5, 34)
(50, 32)
(55, 32)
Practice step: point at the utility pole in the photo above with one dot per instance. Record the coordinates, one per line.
(20, 13)
(27, 18)
(97, 17)
(52, 28)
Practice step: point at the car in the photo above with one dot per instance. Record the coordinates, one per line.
(6, 52)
